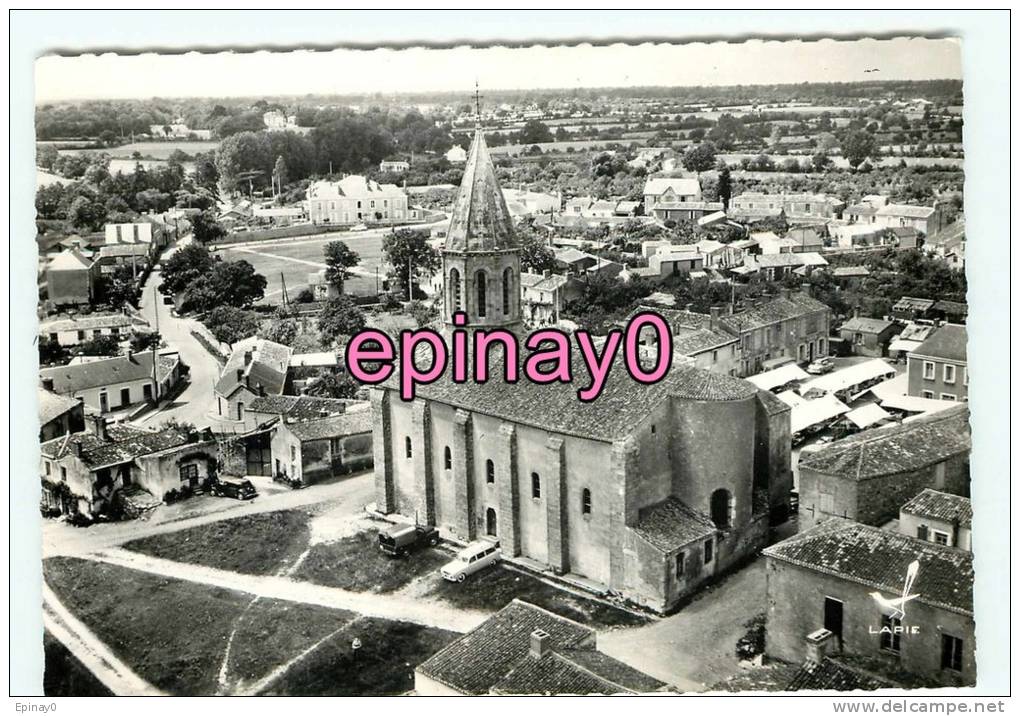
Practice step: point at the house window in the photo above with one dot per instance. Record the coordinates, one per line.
(240, 411)
(858, 338)
(293, 453)
(715, 356)
(586, 501)
(48, 468)
(948, 373)
(948, 396)
(929, 370)
(490, 472)
(709, 545)
(407, 447)
(63, 474)
(922, 532)
(653, 428)
(454, 289)
(821, 346)
(952, 653)
(826, 503)
(147, 391)
(940, 538)
(890, 637)
(447, 458)
(680, 557)
(536, 486)
(189, 474)
(81, 335)
(966, 376)
(928, 394)
(722, 511)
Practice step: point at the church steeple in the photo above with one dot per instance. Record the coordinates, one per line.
(481, 261)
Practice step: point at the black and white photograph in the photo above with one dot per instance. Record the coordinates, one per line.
(552, 369)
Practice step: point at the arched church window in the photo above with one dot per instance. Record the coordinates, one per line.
(482, 293)
(508, 281)
(454, 290)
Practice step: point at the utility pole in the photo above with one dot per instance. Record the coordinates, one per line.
(286, 303)
(155, 378)
(410, 293)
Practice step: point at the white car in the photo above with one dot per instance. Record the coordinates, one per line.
(359, 227)
(476, 556)
(821, 366)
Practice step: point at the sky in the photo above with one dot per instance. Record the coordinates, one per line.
(352, 71)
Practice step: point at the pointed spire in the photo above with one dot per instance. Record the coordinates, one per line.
(480, 220)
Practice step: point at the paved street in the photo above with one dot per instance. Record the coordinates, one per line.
(695, 647)
(197, 400)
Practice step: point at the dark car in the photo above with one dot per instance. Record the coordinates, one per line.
(236, 487)
(401, 540)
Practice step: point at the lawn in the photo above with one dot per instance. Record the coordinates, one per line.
(64, 675)
(253, 544)
(174, 633)
(383, 665)
(357, 564)
(494, 588)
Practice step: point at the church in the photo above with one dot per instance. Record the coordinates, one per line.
(648, 491)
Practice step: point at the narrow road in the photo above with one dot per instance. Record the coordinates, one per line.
(382, 606)
(90, 651)
(196, 402)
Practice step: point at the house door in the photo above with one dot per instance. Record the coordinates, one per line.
(104, 403)
(125, 396)
(834, 617)
(258, 454)
(490, 522)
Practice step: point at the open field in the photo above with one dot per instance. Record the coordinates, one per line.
(156, 150)
(297, 258)
(64, 675)
(175, 634)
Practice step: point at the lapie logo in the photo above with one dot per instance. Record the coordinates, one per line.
(896, 607)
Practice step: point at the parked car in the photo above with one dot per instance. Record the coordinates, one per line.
(359, 227)
(401, 540)
(236, 487)
(476, 556)
(821, 366)
(794, 501)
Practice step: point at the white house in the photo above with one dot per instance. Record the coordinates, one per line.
(355, 199)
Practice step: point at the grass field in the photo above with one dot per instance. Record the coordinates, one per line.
(174, 633)
(156, 150)
(253, 544)
(296, 259)
(64, 675)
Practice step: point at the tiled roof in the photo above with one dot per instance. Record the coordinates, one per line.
(810, 258)
(540, 282)
(879, 559)
(89, 322)
(335, 426)
(690, 342)
(940, 506)
(948, 341)
(267, 367)
(480, 220)
(52, 406)
(123, 444)
(670, 525)
(772, 311)
(956, 308)
(862, 324)
(830, 675)
(907, 210)
(772, 404)
(622, 405)
(69, 260)
(574, 671)
(483, 657)
(688, 205)
(909, 303)
(851, 271)
(301, 407)
(74, 377)
(116, 250)
(890, 450)
(684, 186)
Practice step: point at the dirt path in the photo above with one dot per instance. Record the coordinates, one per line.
(382, 606)
(90, 651)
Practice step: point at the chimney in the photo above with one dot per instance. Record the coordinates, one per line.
(77, 448)
(857, 311)
(247, 357)
(805, 288)
(47, 384)
(97, 425)
(546, 273)
(240, 374)
(820, 644)
(539, 644)
(689, 307)
(713, 322)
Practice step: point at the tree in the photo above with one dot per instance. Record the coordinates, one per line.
(700, 157)
(231, 324)
(857, 146)
(108, 137)
(340, 317)
(102, 345)
(145, 340)
(231, 283)
(280, 172)
(184, 267)
(51, 352)
(409, 254)
(281, 330)
(179, 426)
(534, 132)
(536, 256)
(724, 185)
(119, 288)
(340, 259)
(332, 385)
(205, 227)
(820, 162)
(85, 214)
(423, 313)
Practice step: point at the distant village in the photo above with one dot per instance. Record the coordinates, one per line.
(814, 425)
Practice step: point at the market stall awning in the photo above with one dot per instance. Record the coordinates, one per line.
(850, 376)
(778, 376)
(806, 413)
(867, 415)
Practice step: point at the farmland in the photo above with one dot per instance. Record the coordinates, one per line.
(153, 150)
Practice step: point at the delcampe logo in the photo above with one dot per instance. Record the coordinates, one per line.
(896, 607)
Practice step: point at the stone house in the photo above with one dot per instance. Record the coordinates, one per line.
(629, 491)
(666, 190)
(796, 206)
(867, 477)
(109, 384)
(698, 339)
(71, 279)
(73, 330)
(869, 336)
(355, 199)
(524, 649)
(821, 603)
(544, 295)
(82, 472)
(938, 517)
(256, 367)
(59, 415)
(937, 369)
(314, 449)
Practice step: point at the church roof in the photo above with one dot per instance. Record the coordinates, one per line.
(480, 220)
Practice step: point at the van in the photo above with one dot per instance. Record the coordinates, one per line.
(401, 540)
(473, 558)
